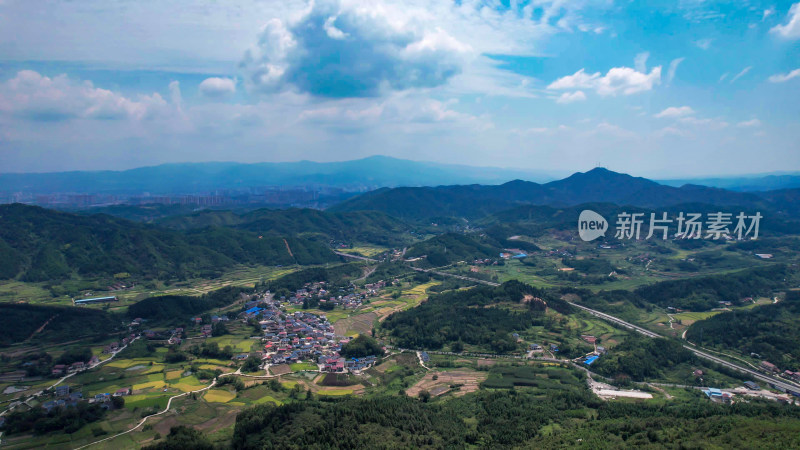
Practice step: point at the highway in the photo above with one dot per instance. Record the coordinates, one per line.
(617, 321)
(362, 258)
(433, 271)
(778, 382)
(774, 381)
(460, 277)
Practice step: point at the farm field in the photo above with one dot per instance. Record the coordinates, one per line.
(459, 382)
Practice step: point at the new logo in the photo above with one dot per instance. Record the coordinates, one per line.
(591, 225)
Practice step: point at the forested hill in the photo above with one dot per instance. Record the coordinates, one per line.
(451, 247)
(597, 185)
(772, 331)
(37, 244)
(363, 226)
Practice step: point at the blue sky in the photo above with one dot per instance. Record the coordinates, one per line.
(660, 89)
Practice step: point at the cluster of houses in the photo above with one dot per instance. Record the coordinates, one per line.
(484, 262)
(509, 253)
(773, 369)
(64, 397)
(559, 253)
(299, 336)
(351, 300)
(63, 369)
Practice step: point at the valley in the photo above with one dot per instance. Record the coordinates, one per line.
(439, 313)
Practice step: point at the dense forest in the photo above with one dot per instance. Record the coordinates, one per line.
(772, 331)
(515, 419)
(334, 276)
(40, 421)
(639, 358)
(705, 293)
(451, 247)
(19, 321)
(359, 226)
(361, 346)
(482, 316)
(179, 307)
(37, 244)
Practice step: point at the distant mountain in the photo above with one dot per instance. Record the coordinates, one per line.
(744, 183)
(38, 244)
(361, 174)
(362, 226)
(596, 185)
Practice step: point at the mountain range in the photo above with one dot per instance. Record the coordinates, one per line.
(598, 185)
(188, 178)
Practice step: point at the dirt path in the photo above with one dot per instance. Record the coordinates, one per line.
(666, 394)
(169, 404)
(39, 330)
(367, 272)
(288, 249)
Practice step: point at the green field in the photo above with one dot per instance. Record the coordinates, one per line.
(297, 367)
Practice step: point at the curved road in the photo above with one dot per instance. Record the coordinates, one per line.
(778, 382)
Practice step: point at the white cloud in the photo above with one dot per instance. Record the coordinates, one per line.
(613, 130)
(619, 80)
(749, 123)
(332, 31)
(37, 97)
(673, 67)
(352, 49)
(675, 111)
(705, 44)
(781, 78)
(791, 29)
(395, 109)
(707, 123)
(741, 74)
(640, 62)
(218, 87)
(570, 97)
(768, 12)
(672, 131)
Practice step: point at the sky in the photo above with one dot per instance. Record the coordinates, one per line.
(675, 88)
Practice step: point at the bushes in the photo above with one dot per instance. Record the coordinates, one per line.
(472, 317)
(40, 421)
(19, 322)
(362, 346)
(178, 306)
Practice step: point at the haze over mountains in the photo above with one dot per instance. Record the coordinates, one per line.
(187, 178)
(356, 175)
(596, 185)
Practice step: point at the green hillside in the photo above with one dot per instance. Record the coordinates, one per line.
(451, 247)
(37, 244)
(19, 322)
(371, 226)
(771, 331)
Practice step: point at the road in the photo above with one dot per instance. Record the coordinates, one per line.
(460, 277)
(61, 380)
(363, 258)
(617, 321)
(433, 271)
(778, 382)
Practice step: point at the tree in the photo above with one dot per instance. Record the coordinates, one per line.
(219, 329)
(183, 437)
(362, 346)
(251, 364)
(424, 395)
(118, 402)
